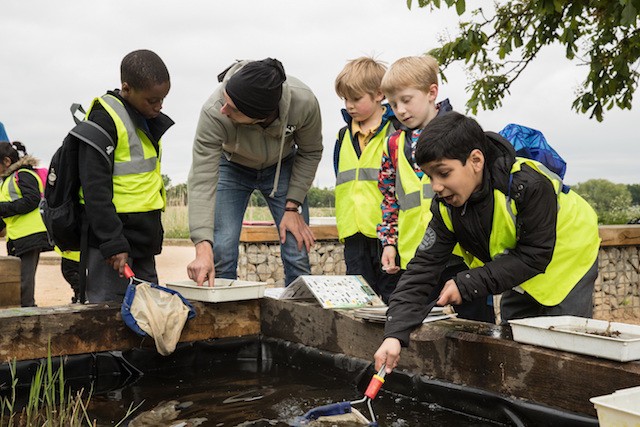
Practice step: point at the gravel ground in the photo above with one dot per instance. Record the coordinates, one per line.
(52, 289)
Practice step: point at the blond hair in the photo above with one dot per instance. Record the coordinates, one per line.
(418, 72)
(360, 76)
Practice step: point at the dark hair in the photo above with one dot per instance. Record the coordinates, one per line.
(12, 150)
(450, 136)
(142, 69)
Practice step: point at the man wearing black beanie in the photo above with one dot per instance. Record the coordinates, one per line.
(260, 130)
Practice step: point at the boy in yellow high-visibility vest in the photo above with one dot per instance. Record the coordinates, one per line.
(539, 244)
(411, 86)
(357, 155)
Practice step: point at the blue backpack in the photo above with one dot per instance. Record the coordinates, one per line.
(531, 143)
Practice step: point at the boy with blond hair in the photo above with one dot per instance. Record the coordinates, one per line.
(411, 86)
(357, 155)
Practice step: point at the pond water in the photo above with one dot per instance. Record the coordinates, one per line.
(261, 381)
(245, 394)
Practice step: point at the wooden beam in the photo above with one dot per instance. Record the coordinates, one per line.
(269, 233)
(76, 329)
(611, 235)
(620, 235)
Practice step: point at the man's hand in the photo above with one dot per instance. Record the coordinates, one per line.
(450, 294)
(118, 261)
(293, 222)
(388, 260)
(388, 354)
(202, 268)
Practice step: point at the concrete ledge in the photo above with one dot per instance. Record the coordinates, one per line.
(461, 352)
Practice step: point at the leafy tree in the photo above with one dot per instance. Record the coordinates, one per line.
(257, 199)
(634, 189)
(498, 45)
(612, 202)
(177, 195)
(321, 197)
(166, 180)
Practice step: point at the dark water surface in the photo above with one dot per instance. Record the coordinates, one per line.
(246, 394)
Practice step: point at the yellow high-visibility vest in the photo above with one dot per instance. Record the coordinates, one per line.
(358, 198)
(24, 224)
(414, 197)
(577, 239)
(137, 180)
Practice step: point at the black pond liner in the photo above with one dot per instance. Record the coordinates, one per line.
(111, 371)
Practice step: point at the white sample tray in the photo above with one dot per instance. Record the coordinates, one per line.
(600, 338)
(621, 408)
(223, 290)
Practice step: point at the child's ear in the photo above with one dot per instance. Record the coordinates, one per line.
(379, 96)
(433, 92)
(125, 89)
(477, 160)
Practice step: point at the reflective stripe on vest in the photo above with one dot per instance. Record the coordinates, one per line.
(577, 240)
(414, 198)
(137, 181)
(21, 225)
(71, 255)
(358, 198)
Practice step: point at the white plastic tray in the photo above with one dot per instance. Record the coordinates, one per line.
(224, 290)
(621, 408)
(609, 340)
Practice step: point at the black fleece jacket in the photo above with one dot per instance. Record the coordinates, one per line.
(139, 234)
(29, 201)
(537, 209)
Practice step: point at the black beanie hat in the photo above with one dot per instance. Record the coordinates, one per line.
(257, 87)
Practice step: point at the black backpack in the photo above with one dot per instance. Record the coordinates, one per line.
(60, 207)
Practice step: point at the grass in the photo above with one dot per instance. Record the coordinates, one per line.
(175, 219)
(50, 402)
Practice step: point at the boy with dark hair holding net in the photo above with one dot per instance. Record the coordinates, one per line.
(122, 185)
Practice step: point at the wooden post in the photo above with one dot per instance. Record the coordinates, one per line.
(9, 281)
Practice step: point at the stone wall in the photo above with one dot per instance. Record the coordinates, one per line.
(261, 261)
(617, 291)
(616, 296)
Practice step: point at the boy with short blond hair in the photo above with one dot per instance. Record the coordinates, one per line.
(357, 155)
(418, 72)
(411, 86)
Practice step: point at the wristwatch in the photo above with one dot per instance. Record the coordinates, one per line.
(292, 209)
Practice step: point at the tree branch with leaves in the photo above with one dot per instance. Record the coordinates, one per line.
(497, 45)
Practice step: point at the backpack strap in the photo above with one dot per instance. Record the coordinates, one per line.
(336, 151)
(342, 133)
(84, 254)
(75, 110)
(92, 134)
(392, 148)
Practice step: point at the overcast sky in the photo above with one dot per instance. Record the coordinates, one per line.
(55, 53)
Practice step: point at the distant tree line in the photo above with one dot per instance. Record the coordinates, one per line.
(614, 203)
(317, 197)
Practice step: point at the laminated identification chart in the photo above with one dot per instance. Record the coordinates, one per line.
(334, 291)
